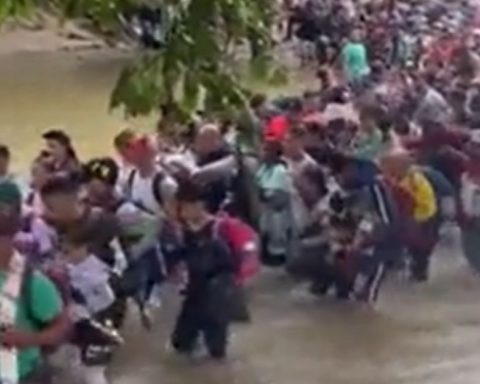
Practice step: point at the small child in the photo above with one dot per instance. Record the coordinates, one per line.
(96, 306)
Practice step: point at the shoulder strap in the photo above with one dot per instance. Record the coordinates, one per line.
(157, 187)
(129, 185)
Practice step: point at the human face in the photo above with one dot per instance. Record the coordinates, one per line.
(293, 146)
(98, 191)
(39, 174)
(56, 150)
(191, 214)
(62, 208)
(4, 165)
(206, 142)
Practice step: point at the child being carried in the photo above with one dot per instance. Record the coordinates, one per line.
(97, 308)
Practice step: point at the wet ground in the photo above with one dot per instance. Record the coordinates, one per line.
(418, 334)
(425, 334)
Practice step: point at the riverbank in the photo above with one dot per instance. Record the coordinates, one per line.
(45, 33)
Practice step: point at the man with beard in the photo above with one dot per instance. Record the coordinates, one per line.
(64, 210)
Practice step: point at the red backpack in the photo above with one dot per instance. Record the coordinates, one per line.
(243, 242)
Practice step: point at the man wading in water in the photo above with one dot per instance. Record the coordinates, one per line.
(31, 314)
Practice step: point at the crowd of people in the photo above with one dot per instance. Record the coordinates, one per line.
(338, 187)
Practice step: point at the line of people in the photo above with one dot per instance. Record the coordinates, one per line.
(339, 202)
(339, 187)
(84, 241)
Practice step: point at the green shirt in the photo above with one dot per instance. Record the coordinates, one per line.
(370, 146)
(274, 178)
(43, 303)
(355, 61)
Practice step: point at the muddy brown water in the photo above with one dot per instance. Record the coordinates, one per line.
(428, 334)
(41, 91)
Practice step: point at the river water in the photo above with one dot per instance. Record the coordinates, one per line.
(426, 334)
(40, 91)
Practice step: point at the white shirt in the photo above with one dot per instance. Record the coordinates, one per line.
(142, 191)
(91, 278)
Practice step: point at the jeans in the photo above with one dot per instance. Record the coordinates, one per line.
(144, 274)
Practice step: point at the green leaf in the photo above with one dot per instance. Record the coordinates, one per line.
(5, 10)
(198, 66)
(259, 68)
(191, 92)
(278, 77)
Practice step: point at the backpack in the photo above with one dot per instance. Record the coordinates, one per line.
(242, 240)
(444, 192)
(156, 187)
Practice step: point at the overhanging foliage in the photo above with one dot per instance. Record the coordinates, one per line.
(196, 67)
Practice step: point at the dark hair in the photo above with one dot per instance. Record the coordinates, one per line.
(337, 203)
(337, 95)
(104, 169)
(189, 192)
(323, 75)
(58, 136)
(60, 185)
(257, 100)
(296, 105)
(63, 139)
(4, 151)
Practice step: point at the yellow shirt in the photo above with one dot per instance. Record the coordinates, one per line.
(423, 194)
